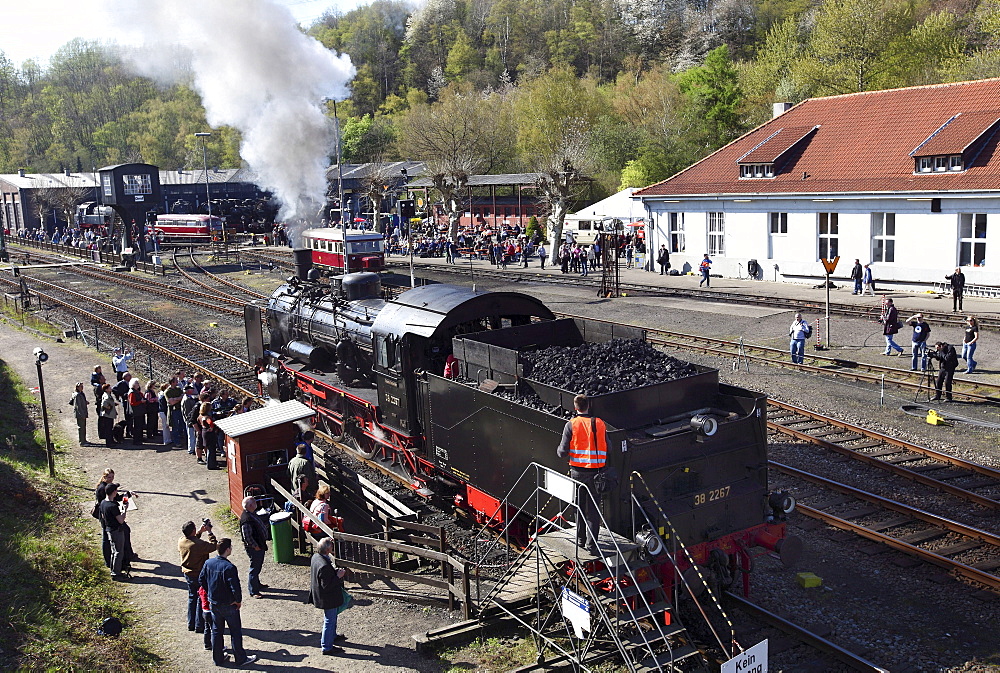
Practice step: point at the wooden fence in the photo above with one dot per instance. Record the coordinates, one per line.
(374, 556)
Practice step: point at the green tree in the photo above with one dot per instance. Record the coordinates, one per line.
(855, 46)
(715, 97)
(462, 59)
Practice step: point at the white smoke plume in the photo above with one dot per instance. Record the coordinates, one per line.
(255, 71)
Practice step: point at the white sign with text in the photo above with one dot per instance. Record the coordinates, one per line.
(753, 660)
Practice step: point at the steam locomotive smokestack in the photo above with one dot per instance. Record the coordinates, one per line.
(303, 262)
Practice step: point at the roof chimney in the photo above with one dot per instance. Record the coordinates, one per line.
(20, 172)
(779, 109)
(68, 173)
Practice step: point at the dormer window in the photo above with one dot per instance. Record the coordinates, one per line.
(766, 158)
(940, 164)
(955, 144)
(756, 170)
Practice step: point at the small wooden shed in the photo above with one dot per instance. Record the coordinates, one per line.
(259, 445)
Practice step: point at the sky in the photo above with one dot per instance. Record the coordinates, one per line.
(37, 29)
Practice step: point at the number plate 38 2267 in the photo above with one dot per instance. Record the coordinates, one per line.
(711, 495)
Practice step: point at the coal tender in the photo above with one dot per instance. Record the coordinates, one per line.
(700, 445)
(372, 368)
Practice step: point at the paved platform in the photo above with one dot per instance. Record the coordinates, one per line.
(907, 301)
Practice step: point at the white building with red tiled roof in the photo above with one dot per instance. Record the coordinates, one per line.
(906, 179)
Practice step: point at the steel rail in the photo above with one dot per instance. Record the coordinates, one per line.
(177, 294)
(943, 318)
(876, 461)
(224, 281)
(163, 289)
(853, 661)
(200, 283)
(132, 316)
(974, 574)
(923, 515)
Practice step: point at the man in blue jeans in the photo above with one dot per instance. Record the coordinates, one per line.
(194, 553)
(918, 342)
(255, 542)
(222, 584)
(797, 334)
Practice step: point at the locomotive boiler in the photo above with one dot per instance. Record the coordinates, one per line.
(373, 369)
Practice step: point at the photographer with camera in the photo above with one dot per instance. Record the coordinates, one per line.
(948, 357)
(194, 552)
(112, 512)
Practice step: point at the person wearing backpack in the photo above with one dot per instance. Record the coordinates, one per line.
(798, 333)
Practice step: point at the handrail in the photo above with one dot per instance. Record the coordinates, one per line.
(581, 490)
(690, 559)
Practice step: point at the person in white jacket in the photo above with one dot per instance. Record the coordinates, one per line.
(798, 333)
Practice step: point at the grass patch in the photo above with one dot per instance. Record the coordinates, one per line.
(54, 589)
(223, 516)
(29, 319)
(492, 655)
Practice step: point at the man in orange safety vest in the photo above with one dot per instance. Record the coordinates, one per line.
(585, 443)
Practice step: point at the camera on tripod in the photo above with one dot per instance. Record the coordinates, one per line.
(207, 522)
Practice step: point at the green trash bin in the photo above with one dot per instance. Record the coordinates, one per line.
(281, 537)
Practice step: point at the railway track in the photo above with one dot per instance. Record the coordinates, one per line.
(215, 277)
(827, 647)
(145, 284)
(639, 289)
(964, 479)
(967, 551)
(212, 361)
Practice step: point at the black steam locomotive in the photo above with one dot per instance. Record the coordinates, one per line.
(373, 368)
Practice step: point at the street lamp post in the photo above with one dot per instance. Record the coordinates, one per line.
(40, 357)
(204, 135)
(409, 230)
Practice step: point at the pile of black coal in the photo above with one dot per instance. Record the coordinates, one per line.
(532, 401)
(601, 368)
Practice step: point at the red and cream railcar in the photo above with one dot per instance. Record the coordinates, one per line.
(365, 250)
(188, 228)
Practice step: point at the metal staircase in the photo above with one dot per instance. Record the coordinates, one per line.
(583, 608)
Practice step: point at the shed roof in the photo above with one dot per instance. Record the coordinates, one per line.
(40, 180)
(487, 180)
(265, 417)
(864, 144)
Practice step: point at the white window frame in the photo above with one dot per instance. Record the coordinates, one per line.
(956, 162)
(925, 165)
(779, 219)
(940, 164)
(831, 221)
(884, 233)
(971, 248)
(715, 234)
(675, 232)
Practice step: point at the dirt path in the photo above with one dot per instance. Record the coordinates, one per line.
(280, 629)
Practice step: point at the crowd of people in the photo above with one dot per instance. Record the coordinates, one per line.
(181, 412)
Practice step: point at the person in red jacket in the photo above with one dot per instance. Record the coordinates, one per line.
(585, 443)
